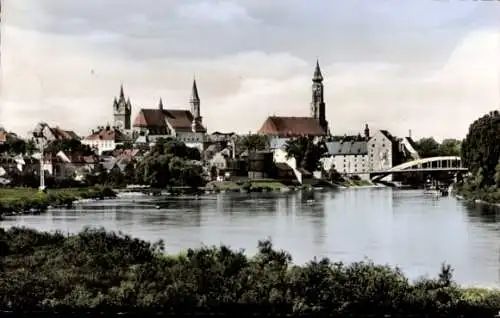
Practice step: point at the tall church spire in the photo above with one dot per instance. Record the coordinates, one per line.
(160, 104)
(318, 110)
(122, 94)
(194, 100)
(317, 77)
(194, 92)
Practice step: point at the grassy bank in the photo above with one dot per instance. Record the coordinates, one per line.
(252, 186)
(107, 271)
(19, 200)
(356, 183)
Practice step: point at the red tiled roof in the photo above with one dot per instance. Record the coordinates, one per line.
(179, 119)
(291, 127)
(109, 134)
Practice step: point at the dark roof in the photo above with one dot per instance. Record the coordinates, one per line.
(411, 142)
(291, 127)
(347, 148)
(61, 134)
(109, 134)
(389, 136)
(179, 119)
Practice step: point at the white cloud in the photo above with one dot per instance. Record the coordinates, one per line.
(220, 11)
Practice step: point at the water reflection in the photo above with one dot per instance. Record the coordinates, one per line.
(483, 213)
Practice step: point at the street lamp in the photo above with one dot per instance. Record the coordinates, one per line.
(41, 141)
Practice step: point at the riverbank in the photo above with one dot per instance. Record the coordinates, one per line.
(29, 200)
(275, 185)
(95, 268)
(480, 196)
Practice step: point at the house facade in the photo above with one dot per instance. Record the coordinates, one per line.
(106, 139)
(361, 155)
(348, 157)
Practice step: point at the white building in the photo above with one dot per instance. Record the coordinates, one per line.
(348, 157)
(105, 139)
(356, 155)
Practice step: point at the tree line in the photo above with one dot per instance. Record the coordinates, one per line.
(97, 270)
(428, 147)
(481, 154)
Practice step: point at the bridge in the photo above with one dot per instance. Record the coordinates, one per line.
(433, 164)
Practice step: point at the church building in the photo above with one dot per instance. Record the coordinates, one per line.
(184, 125)
(315, 125)
(122, 111)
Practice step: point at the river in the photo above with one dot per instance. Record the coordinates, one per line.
(402, 228)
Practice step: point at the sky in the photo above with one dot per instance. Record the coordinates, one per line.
(429, 66)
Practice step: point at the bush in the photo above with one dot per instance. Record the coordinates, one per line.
(97, 270)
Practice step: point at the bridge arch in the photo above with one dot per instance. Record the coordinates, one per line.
(419, 162)
(443, 163)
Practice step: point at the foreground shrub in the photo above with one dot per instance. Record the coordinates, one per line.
(110, 271)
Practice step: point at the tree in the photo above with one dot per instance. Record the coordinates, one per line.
(481, 147)
(68, 146)
(307, 154)
(450, 147)
(427, 147)
(129, 173)
(253, 142)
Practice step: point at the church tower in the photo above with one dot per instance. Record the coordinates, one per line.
(122, 111)
(318, 102)
(194, 101)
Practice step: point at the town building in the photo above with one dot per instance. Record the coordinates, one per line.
(55, 133)
(106, 139)
(315, 125)
(361, 155)
(183, 125)
(122, 112)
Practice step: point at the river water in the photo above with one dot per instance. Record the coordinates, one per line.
(404, 228)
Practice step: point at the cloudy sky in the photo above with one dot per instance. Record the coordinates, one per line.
(427, 65)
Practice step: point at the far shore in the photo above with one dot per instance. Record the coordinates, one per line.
(21, 200)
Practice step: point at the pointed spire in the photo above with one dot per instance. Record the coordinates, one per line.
(317, 77)
(122, 95)
(160, 105)
(194, 93)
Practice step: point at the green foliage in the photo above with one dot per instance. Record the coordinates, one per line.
(17, 146)
(19, 200)
(429, 147)
(253, 142)
(481, 147)
(99, 270)
(450, 147)
(170, 163)
(306, 153)
(68, 146)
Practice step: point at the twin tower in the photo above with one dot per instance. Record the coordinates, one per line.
(122, 109)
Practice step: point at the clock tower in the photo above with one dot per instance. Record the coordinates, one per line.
(122, 111)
